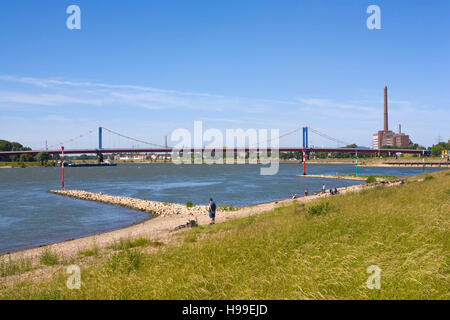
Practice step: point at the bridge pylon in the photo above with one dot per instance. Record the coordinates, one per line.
(305, 147)
(100, 138)
(305, 137)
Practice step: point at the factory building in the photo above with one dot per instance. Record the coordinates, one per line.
(387, 137)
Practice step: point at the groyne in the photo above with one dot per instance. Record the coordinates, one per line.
(152, 207)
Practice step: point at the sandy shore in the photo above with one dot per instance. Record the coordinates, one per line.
(167, 218)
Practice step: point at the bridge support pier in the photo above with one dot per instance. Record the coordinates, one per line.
(62, 167)
(305, 146)
(304, 161)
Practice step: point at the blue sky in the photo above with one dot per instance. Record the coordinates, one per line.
(145, 68)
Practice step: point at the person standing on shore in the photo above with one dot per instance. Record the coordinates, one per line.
(306, 192)
(212, 210)
(323, 188)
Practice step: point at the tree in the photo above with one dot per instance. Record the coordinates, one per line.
(15, 146)
(436, 150)
(5, 145)
(25, 158)
(43, 157)
(11, 146)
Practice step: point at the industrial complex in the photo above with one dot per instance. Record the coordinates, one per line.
(387, 137)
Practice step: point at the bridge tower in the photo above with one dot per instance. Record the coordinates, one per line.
(100, 138)
(305, 137)
(305, 147)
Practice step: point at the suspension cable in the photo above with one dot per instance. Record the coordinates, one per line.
(71, 140)
(130, 138)
(323, 135)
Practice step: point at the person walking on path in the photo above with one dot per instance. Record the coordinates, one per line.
(212, 210)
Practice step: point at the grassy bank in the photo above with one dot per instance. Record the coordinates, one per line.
(318, 251)
(14, 164)
(372, 178)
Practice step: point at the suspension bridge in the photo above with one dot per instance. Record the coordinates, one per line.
(157, 148)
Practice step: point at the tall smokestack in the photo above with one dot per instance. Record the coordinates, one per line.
(385, 110)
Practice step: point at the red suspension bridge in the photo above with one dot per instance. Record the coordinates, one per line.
(156, 148)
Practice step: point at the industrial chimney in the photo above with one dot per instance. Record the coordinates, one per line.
(385, 110)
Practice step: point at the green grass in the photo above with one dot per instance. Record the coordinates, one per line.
(320, 250)
(10, 267)
(227, 207)
(16, 164)
(189, 204)
(318, 208)
(124, 244)
(125, 261)
(93, 251)
(48, 257)
(373, 177)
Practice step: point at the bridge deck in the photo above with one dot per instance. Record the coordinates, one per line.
(204, 150)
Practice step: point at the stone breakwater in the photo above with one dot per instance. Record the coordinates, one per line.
(151, 207)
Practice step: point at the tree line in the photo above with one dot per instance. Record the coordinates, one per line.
(42, 157)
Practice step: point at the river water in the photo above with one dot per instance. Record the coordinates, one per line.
(30, 216)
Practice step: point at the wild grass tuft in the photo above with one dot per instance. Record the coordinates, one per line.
(226, 207)
(93, 251)
(48, 257)
(10, 267)
(318, 208)
(124, 244)
(126, 261)
(189, 204)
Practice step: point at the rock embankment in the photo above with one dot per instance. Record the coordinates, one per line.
(152, 207)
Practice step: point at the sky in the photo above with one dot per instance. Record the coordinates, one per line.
(146, 68)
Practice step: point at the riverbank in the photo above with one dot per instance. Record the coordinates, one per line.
(166, 219)
(317, 247)
(32, 164)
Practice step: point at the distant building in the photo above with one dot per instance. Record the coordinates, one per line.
(386, 137)
(139, 157)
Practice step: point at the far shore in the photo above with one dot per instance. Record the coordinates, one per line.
(363, 162)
